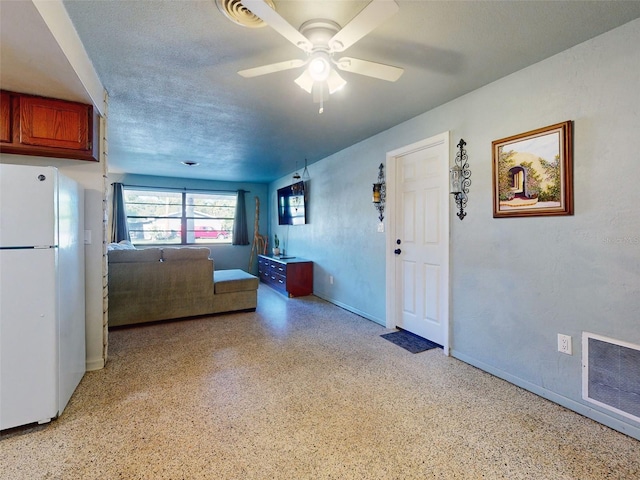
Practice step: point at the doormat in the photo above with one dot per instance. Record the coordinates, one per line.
(410, 341)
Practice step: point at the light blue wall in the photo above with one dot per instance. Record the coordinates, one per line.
(225, 256)
(516, 282)
(341, 236)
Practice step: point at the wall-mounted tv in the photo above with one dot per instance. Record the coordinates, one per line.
(291, 207)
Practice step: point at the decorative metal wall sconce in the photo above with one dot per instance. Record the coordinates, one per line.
(380, 193)
(459, 178)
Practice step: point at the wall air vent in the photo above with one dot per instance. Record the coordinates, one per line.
(235, 11)
(611, 374)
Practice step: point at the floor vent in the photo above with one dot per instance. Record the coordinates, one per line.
(611, 374)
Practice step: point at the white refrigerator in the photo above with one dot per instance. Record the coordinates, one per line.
(42, 299)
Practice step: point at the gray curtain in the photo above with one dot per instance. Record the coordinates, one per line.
(240, 232)
(120, 229)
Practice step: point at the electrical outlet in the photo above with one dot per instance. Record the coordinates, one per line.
(330, 279)
(381, 227)
(564, 344)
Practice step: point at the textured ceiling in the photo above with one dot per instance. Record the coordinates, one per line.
(170, 68)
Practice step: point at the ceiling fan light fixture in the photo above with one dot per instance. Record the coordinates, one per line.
(320, 91)
(305, 81)
(335, 82)
(319, 68)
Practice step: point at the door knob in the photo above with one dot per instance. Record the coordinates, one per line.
(397, 251)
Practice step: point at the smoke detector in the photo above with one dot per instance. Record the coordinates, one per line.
(235, 11)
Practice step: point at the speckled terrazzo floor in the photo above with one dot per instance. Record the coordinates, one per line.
(302, 389)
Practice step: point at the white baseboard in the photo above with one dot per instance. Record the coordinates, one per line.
(349, 308)
(95, 364)
(577, 407)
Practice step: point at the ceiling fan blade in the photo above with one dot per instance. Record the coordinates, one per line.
(372, 16)
(370, 69)
(279, 24)
(272, 68)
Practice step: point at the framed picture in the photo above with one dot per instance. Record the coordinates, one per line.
(533, 173)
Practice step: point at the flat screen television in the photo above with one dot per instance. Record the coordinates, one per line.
(291, 205)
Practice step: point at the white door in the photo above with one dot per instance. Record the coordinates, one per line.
(418, 239)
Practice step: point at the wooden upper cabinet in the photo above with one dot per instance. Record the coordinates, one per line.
(47, 127)
(54, 123)
(5, 117)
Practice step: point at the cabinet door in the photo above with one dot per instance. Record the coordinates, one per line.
(300, 279)
(54, 123)
(5, 117)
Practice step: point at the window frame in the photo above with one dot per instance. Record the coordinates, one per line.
(186, 228)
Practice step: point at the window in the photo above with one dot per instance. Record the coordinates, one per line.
(174, 217)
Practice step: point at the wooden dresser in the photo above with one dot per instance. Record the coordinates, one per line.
(290, 276)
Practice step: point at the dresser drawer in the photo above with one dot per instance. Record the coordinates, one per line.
(291, 277)
(279, 281)
(279, 268)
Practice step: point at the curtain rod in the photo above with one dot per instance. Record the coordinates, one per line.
(183, 189)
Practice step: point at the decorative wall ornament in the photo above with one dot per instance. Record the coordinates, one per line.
(533, 173)
(459, 178)
(296, 187)
(380, 193)
(296, 176)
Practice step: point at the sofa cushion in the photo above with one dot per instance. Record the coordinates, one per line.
(131, 256)
(185, 253)
(121, 245)
(234, 280)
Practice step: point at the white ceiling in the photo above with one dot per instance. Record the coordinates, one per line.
(170, 68)
(31, 61)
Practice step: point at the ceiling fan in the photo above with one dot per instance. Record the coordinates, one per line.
(321, 39)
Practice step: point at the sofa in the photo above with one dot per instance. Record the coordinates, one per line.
(151, 284)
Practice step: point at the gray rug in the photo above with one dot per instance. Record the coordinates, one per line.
(410, 341)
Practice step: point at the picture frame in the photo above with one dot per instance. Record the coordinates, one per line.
(533, 173)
